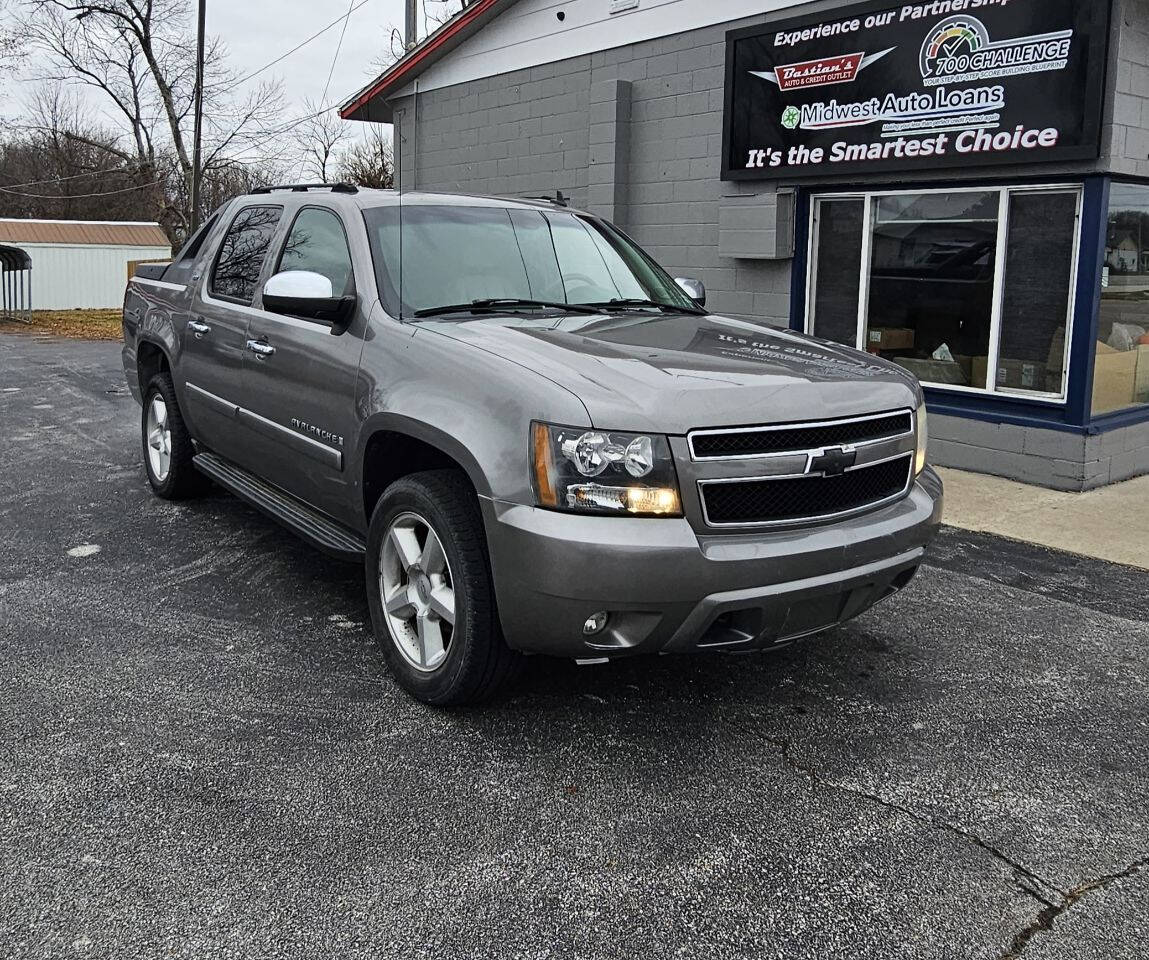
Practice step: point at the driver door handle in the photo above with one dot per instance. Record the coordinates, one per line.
(260, 349)
(199, 329)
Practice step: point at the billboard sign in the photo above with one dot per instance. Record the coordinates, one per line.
(949, 83)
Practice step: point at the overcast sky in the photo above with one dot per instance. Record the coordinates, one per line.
(258, 31)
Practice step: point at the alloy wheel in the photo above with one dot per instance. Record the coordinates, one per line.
(417, 591)
(159, 438)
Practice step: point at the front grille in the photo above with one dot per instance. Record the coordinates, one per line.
(793, 499)
(753, 442)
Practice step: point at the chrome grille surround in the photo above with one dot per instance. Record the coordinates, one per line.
(799, 467)
(854, 431)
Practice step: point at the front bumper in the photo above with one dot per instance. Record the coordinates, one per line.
(669, 589)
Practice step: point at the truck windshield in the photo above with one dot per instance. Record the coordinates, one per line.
(452, 256)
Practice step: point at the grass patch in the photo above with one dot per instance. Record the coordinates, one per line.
(73, 324)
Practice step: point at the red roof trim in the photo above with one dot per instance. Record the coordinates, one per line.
(402, 67)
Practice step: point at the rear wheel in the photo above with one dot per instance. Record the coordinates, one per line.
(167, 445)
(430, 592)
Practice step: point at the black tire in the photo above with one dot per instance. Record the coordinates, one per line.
(182, 480)
(478, 664)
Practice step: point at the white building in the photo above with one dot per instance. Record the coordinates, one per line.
(73, 263)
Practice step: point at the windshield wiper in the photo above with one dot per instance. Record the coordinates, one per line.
(632, 304)
(496, 304)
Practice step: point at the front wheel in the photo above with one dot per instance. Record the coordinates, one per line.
(430, 592)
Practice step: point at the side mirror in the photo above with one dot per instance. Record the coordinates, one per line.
(307, 295)
(695, 289)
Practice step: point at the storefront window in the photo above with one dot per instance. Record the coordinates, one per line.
(839, 258)
(1121, 371)
(1040, 267)
(969, 289)
(931, 284)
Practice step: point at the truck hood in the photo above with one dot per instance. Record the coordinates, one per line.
(675, 373)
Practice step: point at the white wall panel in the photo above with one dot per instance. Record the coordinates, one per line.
(530, 33)
(83, 276)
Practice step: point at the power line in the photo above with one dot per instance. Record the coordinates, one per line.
(338, 47)
(290, 125)
(300, 46)
(77, 196)
(74, 176)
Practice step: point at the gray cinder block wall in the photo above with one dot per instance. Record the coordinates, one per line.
(1125, 135)
(1047, 458)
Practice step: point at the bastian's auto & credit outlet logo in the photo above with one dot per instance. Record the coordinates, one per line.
(822, 72)
(959, 50)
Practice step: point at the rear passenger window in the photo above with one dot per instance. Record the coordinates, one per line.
(241, 255)
(194, 244)
(181, 268)
(318, 243)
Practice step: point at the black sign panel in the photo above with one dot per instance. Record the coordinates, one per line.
(948, 83)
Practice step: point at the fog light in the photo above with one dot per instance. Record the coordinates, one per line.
(595, 623)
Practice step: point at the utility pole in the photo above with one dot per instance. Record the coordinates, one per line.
(410, 24)
(197, 134)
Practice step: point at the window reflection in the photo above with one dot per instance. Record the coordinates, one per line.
(1121, 371)
(241, 255)
(317, 243)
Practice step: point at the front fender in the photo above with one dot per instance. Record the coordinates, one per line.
(430, 434)
(473, 405)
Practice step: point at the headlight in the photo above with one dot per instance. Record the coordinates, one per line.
(923, 441)
(599, 471)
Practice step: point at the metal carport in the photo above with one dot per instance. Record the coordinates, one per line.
(15, 282)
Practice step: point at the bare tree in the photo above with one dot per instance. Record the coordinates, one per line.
(138, 55)
(321, 138)
(369, 163)
(438, 12)
(72, 168)
(12, 45)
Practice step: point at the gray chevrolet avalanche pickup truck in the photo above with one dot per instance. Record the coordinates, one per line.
(533, 437)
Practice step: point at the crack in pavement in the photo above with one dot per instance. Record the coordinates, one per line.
(1044, 921)
(1036, 886)
(1054, 900)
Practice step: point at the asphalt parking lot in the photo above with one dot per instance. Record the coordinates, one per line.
(201, 756)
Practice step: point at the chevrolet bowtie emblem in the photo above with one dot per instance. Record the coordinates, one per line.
(833, 461)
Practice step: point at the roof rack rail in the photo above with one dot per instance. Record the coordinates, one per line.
(304, 187)
(558, 199)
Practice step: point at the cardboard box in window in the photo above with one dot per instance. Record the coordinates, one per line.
(1114, 378)
(979, 372)
(974, 369)
(881, 339)
(946, 372)
(1141, 378)
(1021, 375)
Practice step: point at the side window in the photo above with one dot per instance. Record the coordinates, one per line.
(242, 253)
(317, 242)
(191, 248)
(181, 268)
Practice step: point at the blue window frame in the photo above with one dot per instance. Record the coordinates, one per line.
(1072, 408)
